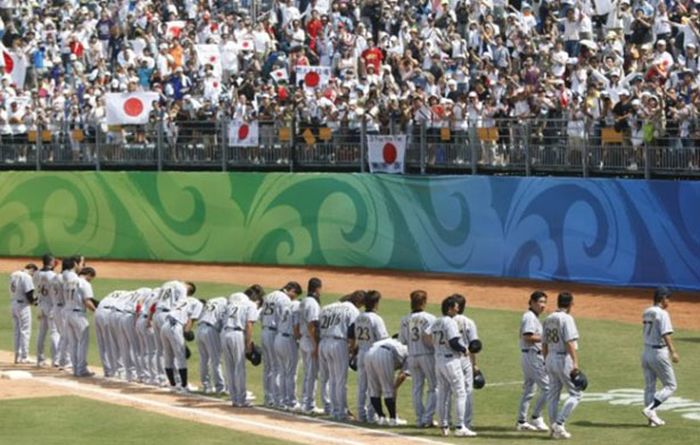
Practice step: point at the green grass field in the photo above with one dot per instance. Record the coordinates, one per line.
(609, 354)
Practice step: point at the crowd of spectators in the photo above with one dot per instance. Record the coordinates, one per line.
(631, 65)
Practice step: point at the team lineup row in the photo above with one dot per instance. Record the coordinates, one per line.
(142, 337)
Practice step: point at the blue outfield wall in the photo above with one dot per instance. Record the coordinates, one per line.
(606, 231)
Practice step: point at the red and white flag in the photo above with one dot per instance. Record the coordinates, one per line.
(386, 154)
(280, 75)
(15, 65)
(210, 55)
(243, 134)
(129, 108)
(313, 76)
(246, 44)
(174, 28)
(212, 89)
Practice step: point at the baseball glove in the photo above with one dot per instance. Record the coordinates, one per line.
(188, 353)
(189, 335)
(353, 363)
(479, 379)
(579, 379)
(255, 356)
(475, 346)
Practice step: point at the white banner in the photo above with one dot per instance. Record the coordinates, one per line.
(210, 55)
(129, 108)
(313, 76)
(386, 154)
(15, 65)
(243, 134)
(174, 28)
(280, 75)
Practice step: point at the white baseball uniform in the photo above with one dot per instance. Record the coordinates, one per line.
(268, 320)
(103, 334)
(43, 282)
(421, 363)
(369, 329)
(240, 310)
(171, 293)
(146, 335)
(309, 312)
(468, 331)
(381, 360)
(656, 362)
(448, 368)
(60, 314)
(76, 291)
(20, 284)
(534, 372)
(287, 353)
(172, 332)
(208, 339)
(559, 329)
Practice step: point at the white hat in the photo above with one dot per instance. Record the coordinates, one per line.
(661, 42)
(624, 93)
(473, 94)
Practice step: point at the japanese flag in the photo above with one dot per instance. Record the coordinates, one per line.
(243, 134)
(386, 153)
(212, 89)
(246, 44)
(15, 66)
(129, 108)
(174, 28)
(280, 75)
(210, 55)
(313, 76)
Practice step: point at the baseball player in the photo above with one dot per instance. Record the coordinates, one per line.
(467, 329)
(658, 353)
(103, 334)
(22, 295)
(119, 324)
(241, 312)
(77, 290)
(335, 322)
(287, 353)
(421, 358)
(178, 321)
(43, 283)
(309, 311)
(146, 335)
(532, 362)
(171, 293)
(61, 316)
(209, 344)
(381, 361)
(559, 346)
(449, 349)
(369, 328)
(269, 320)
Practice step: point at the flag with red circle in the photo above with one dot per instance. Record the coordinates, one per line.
(208, 54)
(129, 108)
(280, 75)
(386, 154)
(174, 28)
(15, 66)
(313, 77)
(243, 134)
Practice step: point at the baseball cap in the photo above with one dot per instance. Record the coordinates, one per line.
(661, 292)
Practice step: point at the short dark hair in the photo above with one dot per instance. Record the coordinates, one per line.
(68, 264)
(418, 299)
(255, 292)
(293, 286)
(372, 298)
(47, 259)
(461, 302)
(314, 285)
(357, 298)
(565, 299)
(660, 293)
(536, 295)
(77, 259)
(88, 271)
(447, 303)
(31, 266)
(191, 288)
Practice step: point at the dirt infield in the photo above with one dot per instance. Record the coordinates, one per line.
(607, 303)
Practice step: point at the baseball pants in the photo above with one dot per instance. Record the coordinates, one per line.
(379, 369)
(422, 369)
(129, 328)
(61, 318)
(209, 345)
(22, 319)
(287, 353)
(559, 369)
(270, 384)
(158, 320)
(173, 339)
(47, 325)
(125, 347)
(116, 363)
(147, 343)
(657, 365)
(103, 342)
(79, 339)
(365, 412)
(450, 378)
(334, 353)
(468, 371)
(308, 397)
(535, 376)
(233, 350)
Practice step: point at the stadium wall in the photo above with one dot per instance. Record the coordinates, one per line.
(607, 231)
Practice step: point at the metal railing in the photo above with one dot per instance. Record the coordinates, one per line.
(496, 146)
